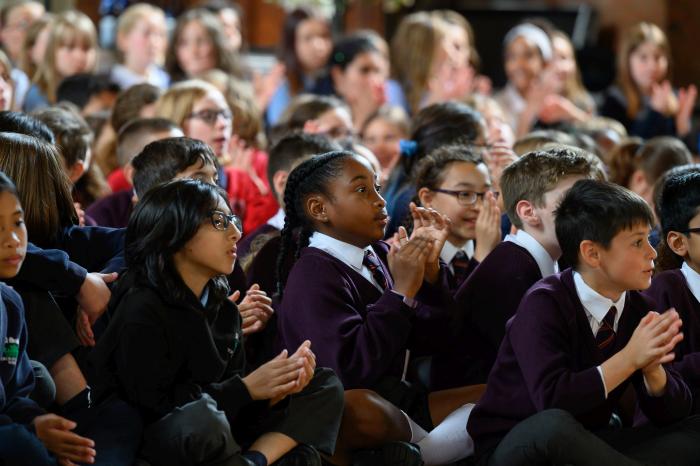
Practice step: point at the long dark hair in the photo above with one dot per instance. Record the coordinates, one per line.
(309, 177)
(287, 51)
(164, 220)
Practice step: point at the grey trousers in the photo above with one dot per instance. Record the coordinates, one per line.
(194, 434)
(555, 437)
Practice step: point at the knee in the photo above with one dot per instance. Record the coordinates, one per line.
(197, 428)
(554, 424)
(44, 392)
(371, 416)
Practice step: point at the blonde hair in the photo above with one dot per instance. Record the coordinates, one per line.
(6, 75)
(68, 27)
(177, 102)
(636, 36)
(413, 50)
(132, 15)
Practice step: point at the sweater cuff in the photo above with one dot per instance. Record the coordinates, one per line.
(231, 395)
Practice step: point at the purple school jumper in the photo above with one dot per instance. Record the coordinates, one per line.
(670, 289)
(355, 329)
(549, 359)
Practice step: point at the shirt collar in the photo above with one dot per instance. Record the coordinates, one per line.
(347, 253)
(449, 251)
(546, 264)
(693, 280)
(277, 220)
(595, 304)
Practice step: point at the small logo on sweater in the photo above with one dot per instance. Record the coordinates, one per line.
(10, 351)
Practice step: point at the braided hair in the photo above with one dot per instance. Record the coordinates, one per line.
(309, 177)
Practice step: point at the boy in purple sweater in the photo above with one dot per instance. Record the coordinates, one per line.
(578, 340)
(678, 284)
(531, 188)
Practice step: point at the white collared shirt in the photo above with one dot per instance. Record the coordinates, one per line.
(277, 220)
(596, 307)
(546, 264)
(693, 280)
(344, 252)
(449, 251)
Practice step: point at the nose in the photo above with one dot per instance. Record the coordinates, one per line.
(10, 238)
(651, 252)
(234, 233)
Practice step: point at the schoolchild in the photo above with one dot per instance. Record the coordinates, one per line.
(579, 340)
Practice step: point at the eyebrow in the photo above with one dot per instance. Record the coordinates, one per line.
(358, 177)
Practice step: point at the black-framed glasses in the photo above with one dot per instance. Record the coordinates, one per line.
(690, 230)
(466, 197)
(221, 221)
(209, 116)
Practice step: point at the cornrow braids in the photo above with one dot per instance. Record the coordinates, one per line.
(309, 177)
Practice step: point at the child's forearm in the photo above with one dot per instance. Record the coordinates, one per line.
(616, 370)
(655, 379)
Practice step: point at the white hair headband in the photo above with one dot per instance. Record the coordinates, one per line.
(535, 35)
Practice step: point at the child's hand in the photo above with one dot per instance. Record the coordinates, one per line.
(83, 329)
(81, 213)
(686, 104)
(653, 340)
(305, 374)
(407, 263)
(488, 227)
(55, 433)
(556, 108)
(275, 378)
(266, 85)
(663, 100)
(255, 309)
(497, 159)
(430, 224)
(94, 294)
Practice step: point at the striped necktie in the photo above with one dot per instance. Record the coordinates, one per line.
(372, 263)
(605, 338)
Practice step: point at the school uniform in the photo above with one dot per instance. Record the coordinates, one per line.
(548, 377)
(178, 361)
(17, 410)
(485, 301)
(460, 262)
(273, 225)
(243, 191)
(680, 289)
(359, 326)
(113, 210)
(646, 124)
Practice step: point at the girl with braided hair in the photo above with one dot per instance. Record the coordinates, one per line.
(366, 306)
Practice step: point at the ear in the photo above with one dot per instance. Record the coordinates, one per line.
(76, 171)
(527, 213)
(128, 171)
(337, 77)
(589, 253)
(677, 242)
(279, 181)
(426, 196)
(315, 207)
(638, 182)
(121, 42)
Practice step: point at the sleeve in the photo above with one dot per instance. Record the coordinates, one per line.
(146, 373)
(19, 407)
(674, 405)
(434, 315)
(542, 344)
(51, 270)
(98, 249)
(359, 341)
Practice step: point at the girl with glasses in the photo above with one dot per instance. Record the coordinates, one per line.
(172, 306)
